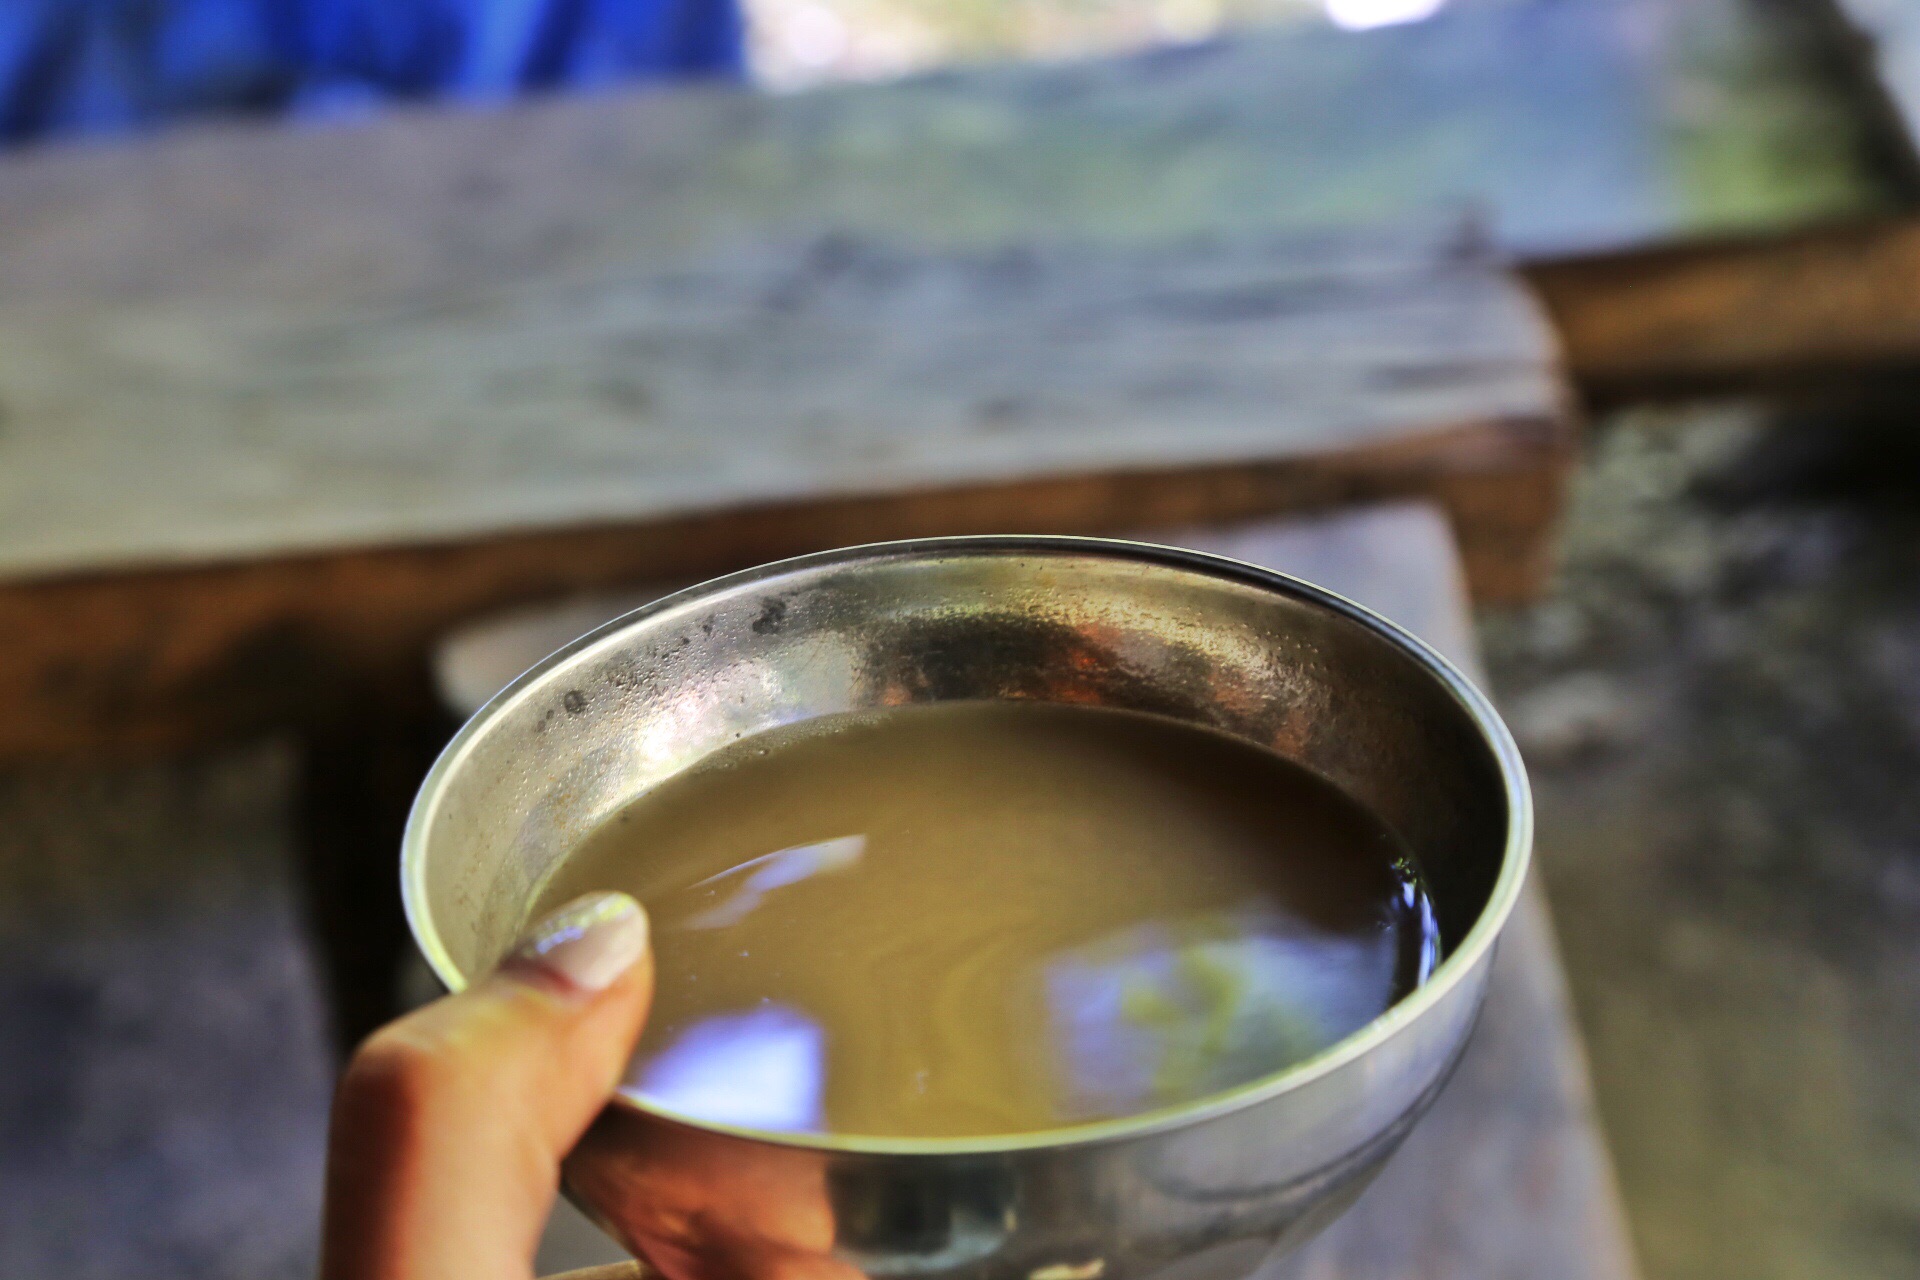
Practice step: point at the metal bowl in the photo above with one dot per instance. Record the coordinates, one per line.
(1207, 1191)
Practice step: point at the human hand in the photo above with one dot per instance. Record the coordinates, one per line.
(450, 1124)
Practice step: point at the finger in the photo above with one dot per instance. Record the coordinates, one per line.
(449, 1125)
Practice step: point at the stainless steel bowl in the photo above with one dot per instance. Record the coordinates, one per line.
(1209, 1190)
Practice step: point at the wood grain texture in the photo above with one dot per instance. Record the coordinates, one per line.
(1563, 127)
(1813, 309)
(1810, 308)
(281, 518)
(832, 370)
(349, 349)
(137, 663)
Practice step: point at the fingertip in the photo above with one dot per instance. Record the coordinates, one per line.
(588, 944)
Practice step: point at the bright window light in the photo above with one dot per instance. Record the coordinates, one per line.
(1360, 15)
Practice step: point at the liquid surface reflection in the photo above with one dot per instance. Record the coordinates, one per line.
(1045, 915)
(761, 1069)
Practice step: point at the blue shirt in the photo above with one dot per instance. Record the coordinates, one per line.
(92, 66)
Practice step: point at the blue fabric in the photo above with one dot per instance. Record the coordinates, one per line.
(91, 66)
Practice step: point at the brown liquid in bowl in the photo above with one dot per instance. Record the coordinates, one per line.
(967, 919)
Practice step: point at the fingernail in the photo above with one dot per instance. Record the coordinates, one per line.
(589, 942)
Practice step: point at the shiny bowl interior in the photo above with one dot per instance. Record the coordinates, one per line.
(1194, 637)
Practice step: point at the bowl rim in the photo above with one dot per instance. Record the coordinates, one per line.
(1454, 969)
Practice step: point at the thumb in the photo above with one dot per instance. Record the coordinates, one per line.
(450, 1124)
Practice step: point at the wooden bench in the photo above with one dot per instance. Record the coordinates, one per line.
(283, 409)
(236, 515)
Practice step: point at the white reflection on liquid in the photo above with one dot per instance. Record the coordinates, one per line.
(1364, 15)
(774, 871)
(1161, 1014)
(763, 1069)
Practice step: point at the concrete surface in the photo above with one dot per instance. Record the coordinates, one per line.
(164, 1071)
(1721, 706)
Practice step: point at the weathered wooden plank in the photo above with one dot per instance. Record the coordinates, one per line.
(134, 663)
(1809, 308)
(1564, 125)
(371, 477)
(1507, 1178)
(843, 369)
(235, 343)
(1816, 309)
